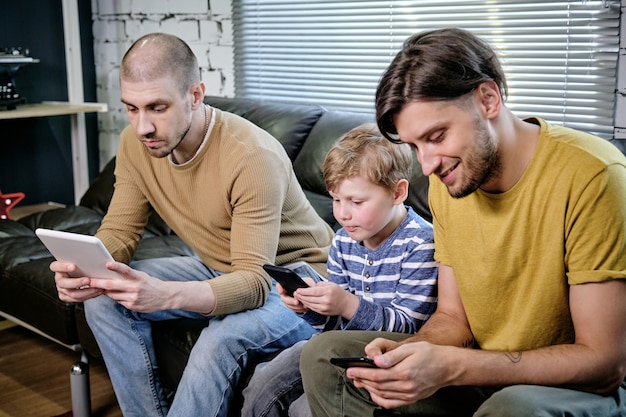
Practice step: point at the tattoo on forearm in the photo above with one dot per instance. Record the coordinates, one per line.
(514, 357)
(468, 343)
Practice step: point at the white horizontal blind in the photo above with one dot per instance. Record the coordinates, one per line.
(560, 57)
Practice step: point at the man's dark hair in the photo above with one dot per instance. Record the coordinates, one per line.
(442, 64)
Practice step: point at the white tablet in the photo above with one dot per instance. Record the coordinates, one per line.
(86, 252)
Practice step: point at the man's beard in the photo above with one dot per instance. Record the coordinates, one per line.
(482, 164)
(162, 153)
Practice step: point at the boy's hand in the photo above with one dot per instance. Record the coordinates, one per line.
(329, 299)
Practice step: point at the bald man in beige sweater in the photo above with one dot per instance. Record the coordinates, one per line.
(228, 190)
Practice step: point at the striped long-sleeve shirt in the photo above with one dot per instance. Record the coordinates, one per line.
(396, 282)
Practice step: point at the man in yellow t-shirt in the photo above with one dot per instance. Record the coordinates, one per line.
(529, 221)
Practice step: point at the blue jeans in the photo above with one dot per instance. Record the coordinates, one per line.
(275, 385)
(224, 348)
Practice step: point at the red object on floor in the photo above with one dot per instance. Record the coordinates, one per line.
(7, 202)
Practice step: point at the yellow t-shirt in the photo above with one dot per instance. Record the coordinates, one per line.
(515, 254)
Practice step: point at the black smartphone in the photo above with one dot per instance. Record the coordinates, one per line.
(355, 361)
(286, 277)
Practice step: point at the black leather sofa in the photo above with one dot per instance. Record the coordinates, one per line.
(27, 292)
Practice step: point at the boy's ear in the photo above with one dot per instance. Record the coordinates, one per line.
(402, 191)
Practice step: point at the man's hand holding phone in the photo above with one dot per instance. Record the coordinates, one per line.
(353, 362)
(287, 281)
(406, 373)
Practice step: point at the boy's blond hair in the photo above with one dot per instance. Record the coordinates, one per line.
(364, 151)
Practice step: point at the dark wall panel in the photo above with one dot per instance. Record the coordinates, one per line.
(35, 153)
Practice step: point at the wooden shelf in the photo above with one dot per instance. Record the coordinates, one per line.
(75, 107)
(18, 211)
(51, 108)
(79, 138)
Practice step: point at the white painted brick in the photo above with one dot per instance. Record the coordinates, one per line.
(116, 108)
(126, 5)
(149, 6)
(228, 84)
(113, 84)
(101, 97)
(109, 54)
(201, 52)
(209, 32)
(204, 24)
(108, 30)
(108, 87)
(189, 6)
(218, 86)
(213, 82)
(112, 7)
(227, 33)
(187, 30)
(114, 121)
(221, 57)
(106, 121)
(135, 29)
(220, 7)
(108, 143)
(101, 80)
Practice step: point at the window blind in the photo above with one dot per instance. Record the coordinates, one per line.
(560, 57)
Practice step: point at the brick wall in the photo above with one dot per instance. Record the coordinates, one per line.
(205, 25)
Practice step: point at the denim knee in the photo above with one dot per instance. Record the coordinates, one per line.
(98, 307)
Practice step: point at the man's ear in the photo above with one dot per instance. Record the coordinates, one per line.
(402, 191)
(488, 95)
(197, 93)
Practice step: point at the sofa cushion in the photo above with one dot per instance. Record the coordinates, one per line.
(290, 124)
(323, 205)
(239, 106)
(29, 294)
(310, 161)
(75, 219)
(309, 164)
(418, 192)
(98, 195)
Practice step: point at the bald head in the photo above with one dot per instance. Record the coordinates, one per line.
(159, 55)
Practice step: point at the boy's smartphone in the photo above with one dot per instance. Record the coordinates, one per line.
(355, 361)
(286, 277)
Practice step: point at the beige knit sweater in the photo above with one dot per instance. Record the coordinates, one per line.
(237, 204)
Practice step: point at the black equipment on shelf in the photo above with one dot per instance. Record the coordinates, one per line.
(11, 60)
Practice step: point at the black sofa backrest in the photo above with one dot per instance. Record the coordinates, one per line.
(306, 131)
(290, 124)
